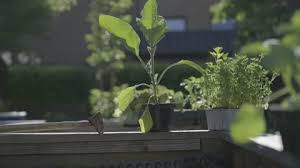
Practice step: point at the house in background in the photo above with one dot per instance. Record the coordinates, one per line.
(191, 33)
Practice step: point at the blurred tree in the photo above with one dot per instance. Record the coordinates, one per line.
(19, 18)
(59, 6)
(255, 20)
(107, 54)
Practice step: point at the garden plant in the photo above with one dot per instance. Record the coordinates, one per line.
(282, 57)
(228, 82)
(154, 28)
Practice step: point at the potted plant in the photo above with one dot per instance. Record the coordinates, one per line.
(227, 83)
(141, 97)
(154, 28)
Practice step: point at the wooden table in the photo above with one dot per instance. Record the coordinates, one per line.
(174, 149)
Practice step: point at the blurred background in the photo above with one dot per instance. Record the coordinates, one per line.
(57, 64)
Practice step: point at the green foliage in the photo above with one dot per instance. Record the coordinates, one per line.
(291, 31)
(153, 26)
(242, 130)
(107, 54)
(133, 73)
(146, 122)
(49, 84)
(122, 30)
(284, 58)
(59, 6)
(141, 98)
(20, 18)
(254, 49)
(125, 97)
(255, 20)
(103, 101)
(154, 29)
(229, 82)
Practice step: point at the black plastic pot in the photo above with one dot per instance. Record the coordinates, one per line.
(161, 116)
(288, 124)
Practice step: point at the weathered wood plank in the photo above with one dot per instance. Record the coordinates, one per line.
(44, 126)
(100, 147)
(78, 137)
(181, 159)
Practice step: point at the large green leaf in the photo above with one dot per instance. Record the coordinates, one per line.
(153, 26)
(146, 122)
(192, 64)
(149, 14)
(249, 123)
(122, 30)
(126, 97)
(182, 62)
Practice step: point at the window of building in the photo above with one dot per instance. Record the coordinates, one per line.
(176, 24)
(227, 25)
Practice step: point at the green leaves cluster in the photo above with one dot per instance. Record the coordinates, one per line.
(284, 57)
(107, 55)
(228, 82)
(141, 97)
(22, 18)
(103, 101)
(255, 20)
(154, 28)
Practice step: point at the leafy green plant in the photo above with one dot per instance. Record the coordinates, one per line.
(154, 28)
(284, 58)
(107, 56)
(103, 101)
(228, 82)
(141, 98)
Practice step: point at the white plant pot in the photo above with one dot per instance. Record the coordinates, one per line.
(220, 119)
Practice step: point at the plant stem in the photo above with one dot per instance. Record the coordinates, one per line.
(152, 51)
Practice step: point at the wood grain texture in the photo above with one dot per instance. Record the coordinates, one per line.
(110, 142)
(107, 136)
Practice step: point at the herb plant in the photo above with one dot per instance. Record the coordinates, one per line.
(228, 82)
(154, 28)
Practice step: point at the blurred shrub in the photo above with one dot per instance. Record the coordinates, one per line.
(41, 89)
(49, 84)
(62, 92)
